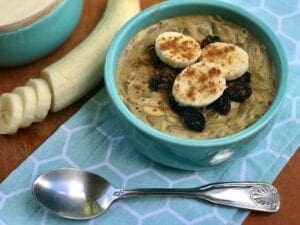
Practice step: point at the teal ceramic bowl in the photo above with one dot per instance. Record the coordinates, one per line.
(36, 40)
(191, 154)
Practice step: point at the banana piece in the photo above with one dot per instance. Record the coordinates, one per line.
(81, 69)
(176, 49)
(29, 103)
(11, 113)
(43, 97)
(232, 60)
(199, 85)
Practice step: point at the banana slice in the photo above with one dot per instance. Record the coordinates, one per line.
(43, 97)
(232, 60)
(176, 49)
(29, 102)
(11, 113)
(199, 85)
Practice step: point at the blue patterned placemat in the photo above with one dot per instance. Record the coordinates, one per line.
(93, 140)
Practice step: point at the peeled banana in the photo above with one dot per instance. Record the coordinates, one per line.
(81, 70)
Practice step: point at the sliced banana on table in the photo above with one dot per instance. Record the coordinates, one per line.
(43, 97)
(176, 49)
(29, 103)
(79, 70)
(232, 60)
(199, 85)
(11, 113)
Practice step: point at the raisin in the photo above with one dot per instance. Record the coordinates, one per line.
(245, 78)
(208, 40)
(239, 89)
(167, 71)
(154, 84)
(160, 82)
(162, 79)
(222, 104)
(194, 119)
(164, 75)
(175, 107)
(238, 92)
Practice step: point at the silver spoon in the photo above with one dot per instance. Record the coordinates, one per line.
(78, 194)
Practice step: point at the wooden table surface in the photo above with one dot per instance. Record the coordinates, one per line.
(16, 148)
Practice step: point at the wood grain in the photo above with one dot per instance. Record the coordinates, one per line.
(15, 149)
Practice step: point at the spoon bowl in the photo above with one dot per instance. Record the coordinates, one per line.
(73, 193)
(77, 194)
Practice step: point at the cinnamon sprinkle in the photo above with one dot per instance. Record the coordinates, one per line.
(176, 46)
(212, 51)
(200, 83)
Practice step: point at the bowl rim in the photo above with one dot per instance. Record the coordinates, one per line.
(181, 141)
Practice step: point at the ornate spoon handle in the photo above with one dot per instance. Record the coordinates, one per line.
(254, 196)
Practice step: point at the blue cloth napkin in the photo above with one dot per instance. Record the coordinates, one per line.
(92, 139)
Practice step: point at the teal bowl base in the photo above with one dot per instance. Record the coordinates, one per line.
(200, 159)
(181, 157)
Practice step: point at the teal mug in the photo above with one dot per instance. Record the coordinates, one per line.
(31, 42)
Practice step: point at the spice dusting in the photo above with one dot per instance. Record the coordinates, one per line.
(179, 48)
